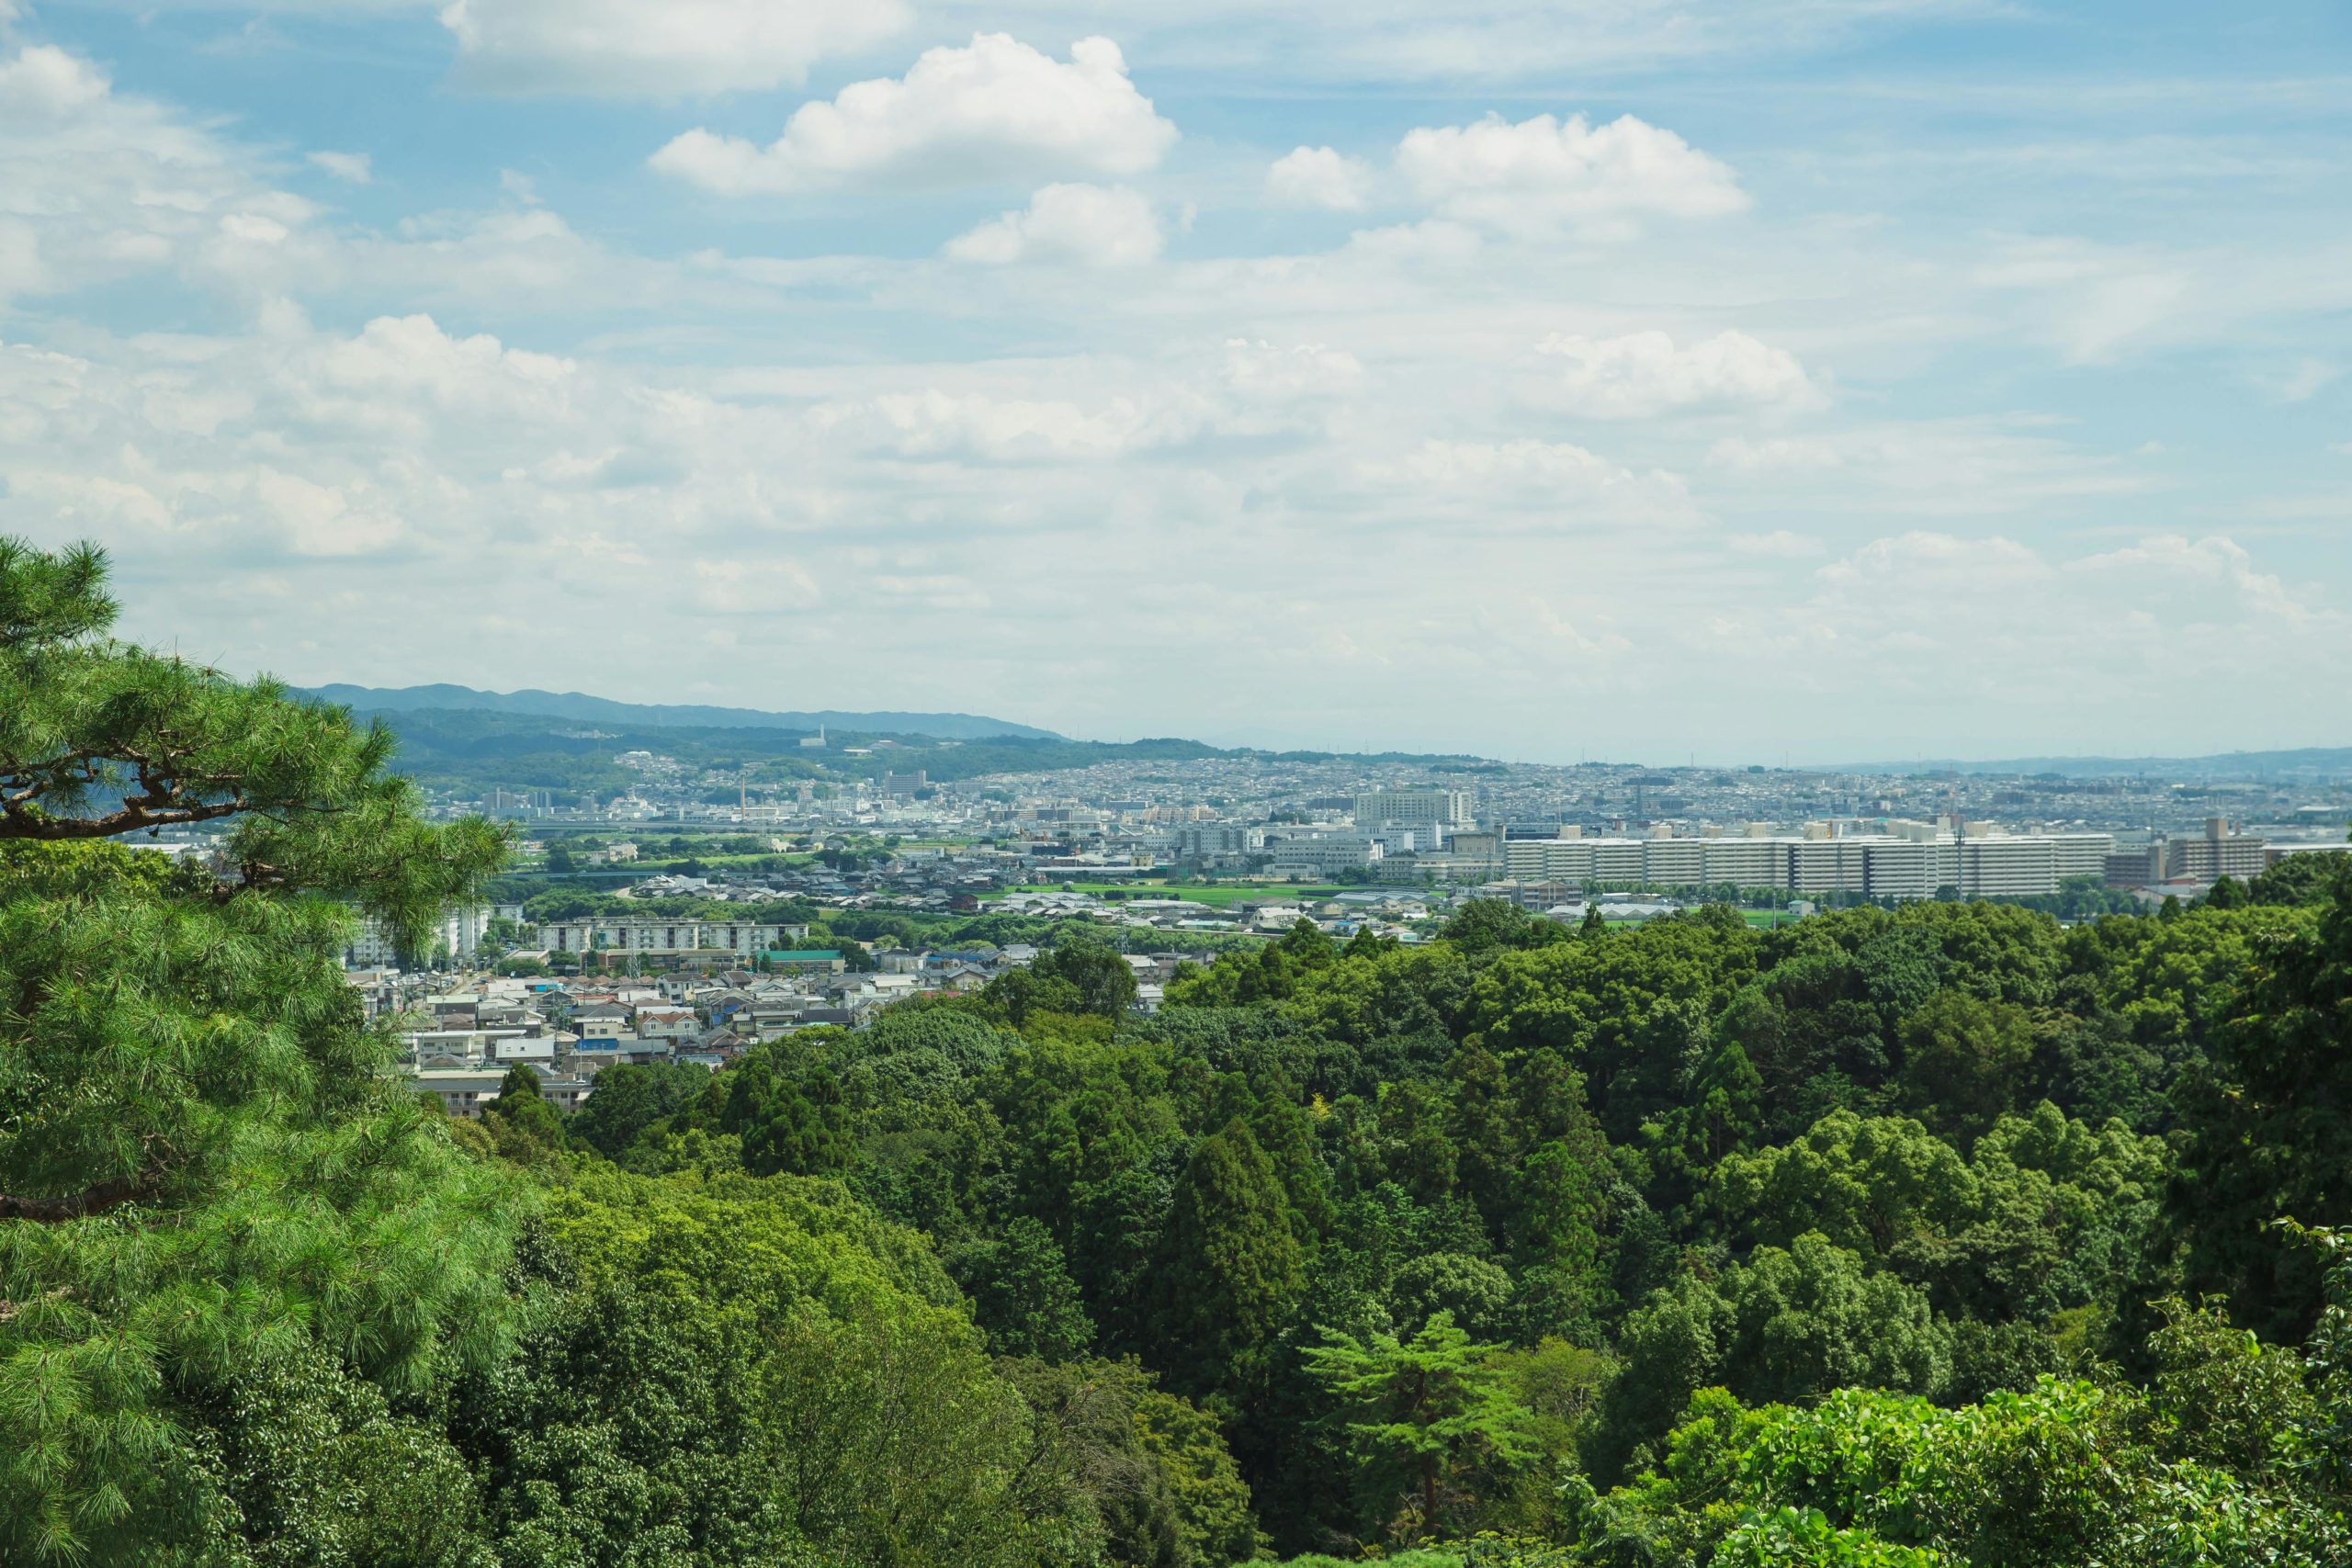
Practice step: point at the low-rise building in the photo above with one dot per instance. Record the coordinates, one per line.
(805, 960)
(1321, 856)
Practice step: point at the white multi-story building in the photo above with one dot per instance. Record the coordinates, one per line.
(2220, 853)
(1416, 808)
(656, 934)
(1207, 840)
(1396, 840)
(1900, 863)
(1746, 863)
(457, 936)
(1321, 856)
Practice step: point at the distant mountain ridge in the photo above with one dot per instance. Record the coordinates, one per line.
(2325, 760)
(580, 707)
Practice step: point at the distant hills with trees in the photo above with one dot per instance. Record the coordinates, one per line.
(456, 739)
(2302, 762)
(403, 703)
(579, 707)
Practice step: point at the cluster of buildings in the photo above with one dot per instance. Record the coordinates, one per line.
(458, 1037)
(2186, 865)
(1442, 823)
(699, 990)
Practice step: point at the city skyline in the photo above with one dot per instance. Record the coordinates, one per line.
(1830, 382)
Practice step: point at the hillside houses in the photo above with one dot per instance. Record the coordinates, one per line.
(459, 1040)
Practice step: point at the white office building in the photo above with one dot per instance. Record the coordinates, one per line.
(1416, 808)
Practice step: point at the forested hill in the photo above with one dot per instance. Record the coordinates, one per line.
(579, 707)
(470, 752)
(1943, 1237)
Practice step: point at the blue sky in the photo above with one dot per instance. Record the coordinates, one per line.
(1810, 378)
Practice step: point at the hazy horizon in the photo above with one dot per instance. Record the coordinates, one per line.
(369, 699)
(1824, 381)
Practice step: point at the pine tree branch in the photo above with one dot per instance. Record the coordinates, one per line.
(137, 813)
(98, 1198)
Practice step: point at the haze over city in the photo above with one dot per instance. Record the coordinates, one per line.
(1826, 381)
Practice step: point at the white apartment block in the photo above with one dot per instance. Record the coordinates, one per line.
(1416, 808)
(2220, 853)
(1205, 841)
(459, 934)
(1895, 864)
(654, 934)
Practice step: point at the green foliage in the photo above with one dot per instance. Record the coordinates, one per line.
(631, 1098)
(524, 1126)
(321, 1472)
(2297, 879)
(206, 1176)
(1488, 926)
(1214, 1523)
(1231, 1263)
(2062, 1476)
(1791, 1324)
(1104, 982)
(1963, 1060)
(1419, 1414)
(789, 1113)
(749, 1372)
(1023, 1295)
(2270, 1126)
(1805, 1537)
(2047, 1216)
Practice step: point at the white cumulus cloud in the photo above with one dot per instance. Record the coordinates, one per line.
(356, 167)
(1778, 542)
(1641, 375)
(403, 368)
(935, 423)
(97, 185)
(1319, 177)
(1778, 455)
(995, 107)
(325, 520)
(655, 48)
(1265, 372)
(43, 83)
(1541, 484)
(2210, 581)
(1080, 225)
(1544, 173)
